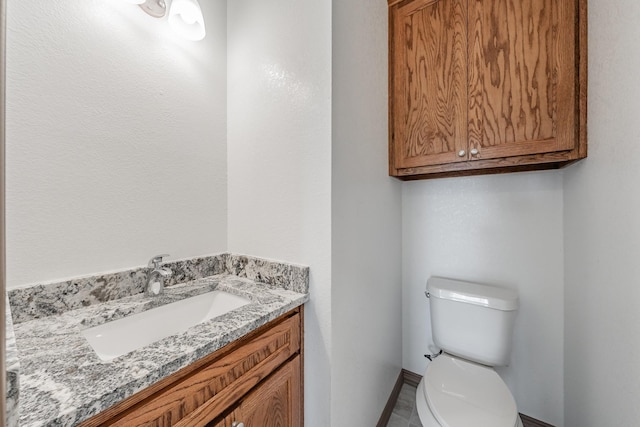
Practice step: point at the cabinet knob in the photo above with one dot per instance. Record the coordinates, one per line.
(461, 153)
(237, 424)
(474, 151)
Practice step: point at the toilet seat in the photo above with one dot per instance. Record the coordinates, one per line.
(460, 393)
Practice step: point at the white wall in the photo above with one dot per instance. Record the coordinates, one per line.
(279, 157)
(366, 249)
(602, 232)
(504, 230)
(115, 138)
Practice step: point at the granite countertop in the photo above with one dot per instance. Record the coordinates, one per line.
(63, 382)
(12, 366)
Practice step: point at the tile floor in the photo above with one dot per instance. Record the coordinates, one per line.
(404, 413)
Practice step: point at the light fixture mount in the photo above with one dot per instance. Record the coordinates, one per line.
(155, 8)
(185, 16)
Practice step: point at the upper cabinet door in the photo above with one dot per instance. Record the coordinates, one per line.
(429, 89)
(486, 86)
(521, 77)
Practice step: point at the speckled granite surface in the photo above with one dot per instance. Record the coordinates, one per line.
(48, 299)
(288, 276)
(12, 365)
(63, 382)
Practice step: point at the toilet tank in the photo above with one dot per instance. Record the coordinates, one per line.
(471, 320)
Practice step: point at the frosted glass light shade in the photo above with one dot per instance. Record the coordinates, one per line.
(185, 18)
(135, 1)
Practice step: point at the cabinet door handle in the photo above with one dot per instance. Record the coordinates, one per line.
(237, 424)
(474, 152)
(461, 153)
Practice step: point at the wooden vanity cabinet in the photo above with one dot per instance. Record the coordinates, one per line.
(256, 381)
(271, 404)
(485, 86)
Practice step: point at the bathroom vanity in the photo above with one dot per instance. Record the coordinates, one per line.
(244, 367)
(255, 381)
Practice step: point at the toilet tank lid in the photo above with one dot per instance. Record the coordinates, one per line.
(473, 293)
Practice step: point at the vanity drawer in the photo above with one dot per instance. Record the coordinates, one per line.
(203, 392)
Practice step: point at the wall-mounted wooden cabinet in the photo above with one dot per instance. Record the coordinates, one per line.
(253, 382)
(485, 86)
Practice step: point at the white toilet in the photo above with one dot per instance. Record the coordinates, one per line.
(473, 325)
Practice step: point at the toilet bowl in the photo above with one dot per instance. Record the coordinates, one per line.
(457, 393)
(473, 325)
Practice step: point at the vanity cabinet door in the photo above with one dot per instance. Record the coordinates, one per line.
(228, 421)
(276, 402)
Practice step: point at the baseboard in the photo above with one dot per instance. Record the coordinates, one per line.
(413, 379)
(532, 422)
(393, 398)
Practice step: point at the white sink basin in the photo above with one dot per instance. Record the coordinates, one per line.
(122, 336)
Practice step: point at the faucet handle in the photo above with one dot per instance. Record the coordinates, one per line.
(156, 261)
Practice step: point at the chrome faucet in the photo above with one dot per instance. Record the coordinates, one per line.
(155, 278)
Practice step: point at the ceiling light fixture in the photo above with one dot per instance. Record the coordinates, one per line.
(185, 16)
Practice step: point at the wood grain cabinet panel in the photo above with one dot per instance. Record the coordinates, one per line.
(486, 86)
(207, 393)
(223, 422)
(275, 403)
(431, 74)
